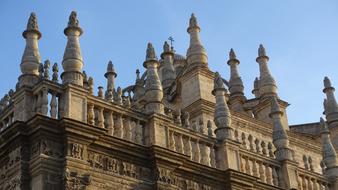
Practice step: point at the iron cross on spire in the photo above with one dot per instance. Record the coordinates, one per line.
(171, 39)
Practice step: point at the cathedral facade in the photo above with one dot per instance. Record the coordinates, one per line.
(180, 126)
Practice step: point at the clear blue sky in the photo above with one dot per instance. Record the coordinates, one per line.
(301, 39)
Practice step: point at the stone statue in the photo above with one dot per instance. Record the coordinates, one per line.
(150, 52)
(166, 47)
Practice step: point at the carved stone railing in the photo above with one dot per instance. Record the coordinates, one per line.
(199, 147)
(254, 144)
(267, 170)
(120, 121)
(47, 99)
(308, 180)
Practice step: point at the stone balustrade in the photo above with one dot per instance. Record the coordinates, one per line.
(120, 121)
(198, 147)
(254, 144)
(266, 170)
(308, 180)
(47, 99)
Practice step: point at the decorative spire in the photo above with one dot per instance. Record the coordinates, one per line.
(55, 72)
(222, 115)
(330, 103)
(32, 26)
(255, 90)
(31, 57)
(193, 21)
(232, 54)
(236, 87)
(329, 154)
(153, 87)
(279, 135)
(73, 21)
(110, 76)
(72, 59)
(168, 70)
(46, 67)
(267, 85)
(261, 51)
(196, 54)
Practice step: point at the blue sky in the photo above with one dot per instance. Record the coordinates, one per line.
(301, 39)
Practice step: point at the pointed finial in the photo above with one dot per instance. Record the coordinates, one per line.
(73, 21)
(323, 125)
(193, 21)
(232, 54)
(110, 67)
(166, 47)
(32, 26)
(150, 52)
(218, 81)
(327, 82)
(32, 22)
(55, 72)
(46, 69)
(137, 74)
(261, 51)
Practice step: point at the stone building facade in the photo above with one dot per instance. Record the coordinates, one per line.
(181, 126)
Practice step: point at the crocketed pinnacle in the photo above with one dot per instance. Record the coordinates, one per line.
(73, 23)
(110, 76)
(267, 85)
(153, 87)
(32, 26)
(330, 104)
(110, 69)
(72, 58)
(236, 87)
(196, 54)
(31, 57)
(222, 115)
(329, 153)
